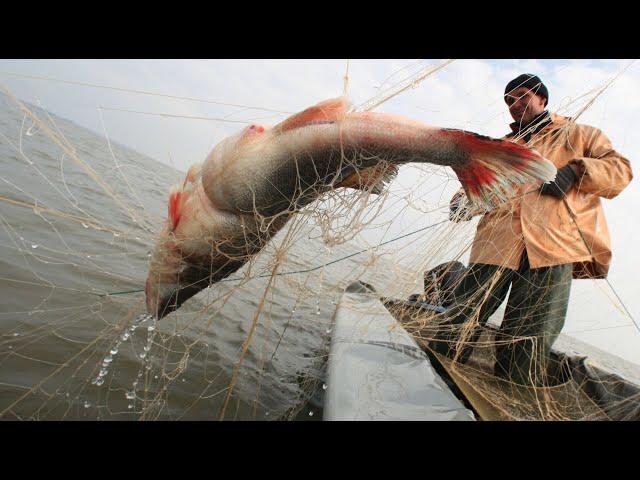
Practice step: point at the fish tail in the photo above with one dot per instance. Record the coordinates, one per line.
(493, 167)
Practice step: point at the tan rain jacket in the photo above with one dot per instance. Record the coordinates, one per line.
(552, 231)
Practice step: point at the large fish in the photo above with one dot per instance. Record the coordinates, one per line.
(226, 210)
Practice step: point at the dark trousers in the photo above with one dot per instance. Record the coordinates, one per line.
(534, 317)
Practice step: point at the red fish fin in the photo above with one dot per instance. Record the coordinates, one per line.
(175, 207)
(327, 111)
(179, 194)
(372, 178)
(494, 166)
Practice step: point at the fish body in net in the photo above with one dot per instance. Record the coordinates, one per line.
(228, 208)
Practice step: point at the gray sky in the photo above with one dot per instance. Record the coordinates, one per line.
(467, 94)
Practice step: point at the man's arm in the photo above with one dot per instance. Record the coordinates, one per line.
(602, 171)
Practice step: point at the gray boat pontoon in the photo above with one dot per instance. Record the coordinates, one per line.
(379, 368)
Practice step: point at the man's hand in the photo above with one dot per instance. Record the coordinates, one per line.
(565, 179)
(459, 210)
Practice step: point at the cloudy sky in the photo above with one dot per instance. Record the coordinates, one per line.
(176, 111)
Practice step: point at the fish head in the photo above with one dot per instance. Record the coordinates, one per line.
(174, 274)
(180, 264)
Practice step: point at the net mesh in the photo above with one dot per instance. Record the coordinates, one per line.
(80, 216)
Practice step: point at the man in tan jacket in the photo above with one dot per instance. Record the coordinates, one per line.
(537, 242)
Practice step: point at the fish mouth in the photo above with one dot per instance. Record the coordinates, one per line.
(170, 284)
(163, 299)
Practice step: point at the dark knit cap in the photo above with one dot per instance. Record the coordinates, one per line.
(530, 81)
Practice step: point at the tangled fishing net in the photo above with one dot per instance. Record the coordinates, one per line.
(80, 215)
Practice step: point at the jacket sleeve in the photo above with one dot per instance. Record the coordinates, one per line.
(602, 171)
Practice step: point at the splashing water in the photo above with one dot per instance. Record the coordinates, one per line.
(113, 351)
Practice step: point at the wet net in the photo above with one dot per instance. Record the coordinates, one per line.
(81, 216)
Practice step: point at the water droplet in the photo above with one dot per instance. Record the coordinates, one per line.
(99, 381)
(266, 414)
(87, 404)
(324, 386)
(114, 351)
(108, 359)
(93, 382)
(125, 336)
(130, 406)
(16, 334)
(135, 384)
(103, 372)
(130, 395)
(146, 348)
(10, 347)
(151, 328)
(311, 414)
(328, 330)
(85, 225)
(155, 377)
(147, 366)
(66, 394)
(142, 355)
(148, 255)
(34, 245)
(116, 234)
(184, 380)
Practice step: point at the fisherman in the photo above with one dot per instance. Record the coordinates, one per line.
(537, 242)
